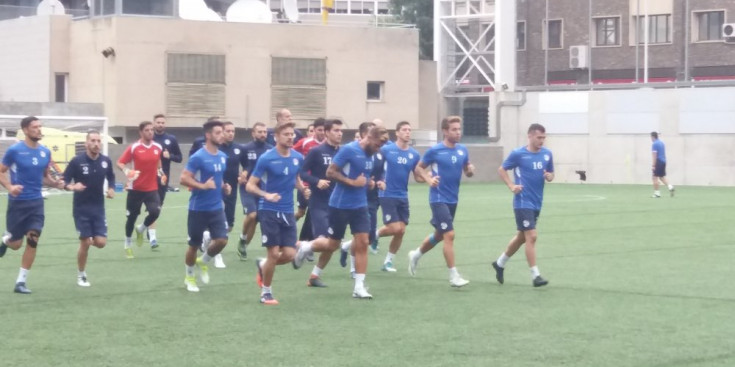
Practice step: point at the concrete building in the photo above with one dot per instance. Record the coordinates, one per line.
(191, 70)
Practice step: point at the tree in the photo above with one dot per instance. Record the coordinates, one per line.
(420, 13)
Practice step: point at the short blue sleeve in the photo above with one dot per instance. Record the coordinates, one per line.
(9, 157)
(512, 161)
(429, 157)
(341, 158)
(259, 167)
(194, 164)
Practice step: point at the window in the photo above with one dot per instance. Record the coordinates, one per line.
(553, 34)
(375, 91)
(195, 85)
(521, 35)
(607, 31)
(60, 85)
(299, 84)
(708, 25)
(659, 29)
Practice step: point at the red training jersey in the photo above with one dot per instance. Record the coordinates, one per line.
(145, 159)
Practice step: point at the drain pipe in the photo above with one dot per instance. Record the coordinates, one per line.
(498, 108)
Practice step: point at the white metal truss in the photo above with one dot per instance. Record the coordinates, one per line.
(469, 26)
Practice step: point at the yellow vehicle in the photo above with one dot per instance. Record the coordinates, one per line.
(64, 145)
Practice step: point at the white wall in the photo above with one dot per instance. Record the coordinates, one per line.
(25, 59)
(606, 133)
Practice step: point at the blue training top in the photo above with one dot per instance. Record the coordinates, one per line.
(278, 175)
(660, 149)
(397, 168)
(27, 167)
(447, 163)
(205, 165)
(353, 162)
(528, 170)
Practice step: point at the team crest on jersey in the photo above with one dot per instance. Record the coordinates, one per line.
(155, 151)
(223, 159)
(237, 151)
(295, 162)
(167, 141)
(104, 164)
(410, 155)
(43, 154)
(461, 153)
(546, 157)
(380, 156)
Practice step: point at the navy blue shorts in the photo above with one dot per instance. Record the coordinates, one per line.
(394, 210)
(90, 225)
(442, 216)
(23, 216)
(249, 201)
(319, 221)
(358, 219)
(660, 169)
(277, 228)
(303, 203)
(230, 204)
(526, 219)
(199, 221)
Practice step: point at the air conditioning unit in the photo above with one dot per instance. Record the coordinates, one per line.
(728, 30)
(578, 57)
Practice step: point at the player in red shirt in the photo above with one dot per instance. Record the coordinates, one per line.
(145, 155)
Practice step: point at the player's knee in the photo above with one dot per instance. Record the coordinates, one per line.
(15, 244)
(400, 230)
(220, 242)
(32, 238)
(288, 253)
(99, 242)
(154, 212)
(448, 237)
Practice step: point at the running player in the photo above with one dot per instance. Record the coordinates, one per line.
(278, 169)
(204, 175)
(28, 162)
(145, 155)
(88, 172)
(448, 160)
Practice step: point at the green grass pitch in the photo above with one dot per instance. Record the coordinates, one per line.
(634, 281)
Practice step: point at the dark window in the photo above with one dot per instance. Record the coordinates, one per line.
(659, 29)
(60, 87)
(553, 34)
(375, 91)
(521, 36)
(710, 25)
(607, 31)
(475, 118)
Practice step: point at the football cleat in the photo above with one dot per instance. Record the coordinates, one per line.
(413, 261)
(82, 281)
(388, 267)
(361, 293)
(267, 299)
(191, 284)
(315, 281)
(539, 281)
(129, 253)
(203, 271)
(458, 282)
(498, 272)
(219, 262)
(20, 287)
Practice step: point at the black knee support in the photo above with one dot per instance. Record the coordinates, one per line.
(32, 238)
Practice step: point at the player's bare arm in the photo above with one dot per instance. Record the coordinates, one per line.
(253, 187)
(50, 181)
(469, 169)
(333, 173)
(188, 180)
(421, 172)
(508, 182)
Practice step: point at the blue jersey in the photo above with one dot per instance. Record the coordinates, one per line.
(528, 170)
(168, 143)
(236, 157)
(353, 162)
(315, 168)
(27, 168)
(205, 165)
(278, 175)
(660, 149)
(397, 168)
(447, 163)
(92, 173)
